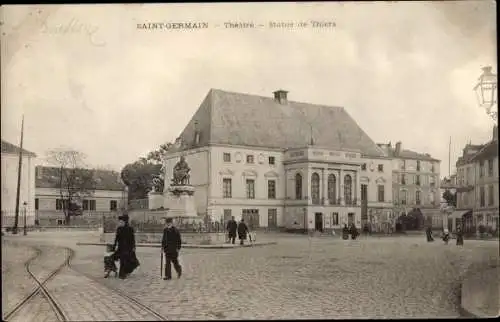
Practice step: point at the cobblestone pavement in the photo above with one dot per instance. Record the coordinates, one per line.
(298, 278)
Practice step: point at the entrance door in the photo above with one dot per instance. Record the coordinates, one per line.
(350, 218)
(272, 218)
(318, 222)
(251, 218)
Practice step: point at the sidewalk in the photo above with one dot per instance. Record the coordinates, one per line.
(214, 246)
(480, 294)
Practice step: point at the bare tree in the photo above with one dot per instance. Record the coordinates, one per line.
(74, 180)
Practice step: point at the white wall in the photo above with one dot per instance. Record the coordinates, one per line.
(10, 163)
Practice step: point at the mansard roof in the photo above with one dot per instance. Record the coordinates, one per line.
(256, 121)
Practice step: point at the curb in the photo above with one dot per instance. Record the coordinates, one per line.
(224, 246)
(468, 313)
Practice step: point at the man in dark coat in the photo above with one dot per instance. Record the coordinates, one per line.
(171, 245)
(125, 240)
(428, 233)
(242, 231)
(460, 236)
(232, 226)
(353, 231)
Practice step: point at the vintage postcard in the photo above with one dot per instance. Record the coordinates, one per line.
(294, 160)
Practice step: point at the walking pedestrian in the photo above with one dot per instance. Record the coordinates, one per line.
(345, 232)
(232, 226)
(171, 245)
(242, 231)
(446, 236)
(460, 236)
(428, 233)
(354, 231)
(125, 240)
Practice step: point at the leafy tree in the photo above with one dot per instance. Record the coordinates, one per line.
(73, 180)
(143, 174)
(450, 198)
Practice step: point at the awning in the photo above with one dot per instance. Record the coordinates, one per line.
(458, 214)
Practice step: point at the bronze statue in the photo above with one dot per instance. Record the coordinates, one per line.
(181, 173)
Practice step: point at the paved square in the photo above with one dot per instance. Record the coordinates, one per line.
(299, 278)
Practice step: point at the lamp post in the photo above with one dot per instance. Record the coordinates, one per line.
(486, 89)
(24, 209)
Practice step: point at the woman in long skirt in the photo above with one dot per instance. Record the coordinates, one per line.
(460, 236)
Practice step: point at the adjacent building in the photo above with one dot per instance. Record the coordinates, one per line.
(106, 192)
(477, 186)
(415, 182)
(10, 167)
(282, 164)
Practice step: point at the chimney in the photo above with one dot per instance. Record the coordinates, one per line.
(280, 96)
(495, 132)
(398, 148)
(196, 133)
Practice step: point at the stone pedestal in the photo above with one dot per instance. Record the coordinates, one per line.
(180, 202)
(156, 200)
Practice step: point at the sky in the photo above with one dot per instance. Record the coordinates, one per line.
(85, 77)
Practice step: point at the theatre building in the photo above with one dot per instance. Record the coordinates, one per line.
(280, 164)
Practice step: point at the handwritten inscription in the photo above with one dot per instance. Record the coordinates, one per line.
(74, 26)
(193, 25)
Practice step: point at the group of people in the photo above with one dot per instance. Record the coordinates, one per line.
(233, 227)
(446, 235)
(351, 230)
(123, 249)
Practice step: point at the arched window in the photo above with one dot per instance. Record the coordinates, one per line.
(332, 189)
(315, 188)
(348, 189)
(298, 186)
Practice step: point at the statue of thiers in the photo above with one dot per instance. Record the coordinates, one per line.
(181, 173)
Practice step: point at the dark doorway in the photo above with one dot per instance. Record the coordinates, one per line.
(252, 218)
(350, 218)
(318, 222)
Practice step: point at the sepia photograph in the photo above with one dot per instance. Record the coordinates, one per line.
(249, 161)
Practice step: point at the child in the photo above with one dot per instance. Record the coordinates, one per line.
(109, 261)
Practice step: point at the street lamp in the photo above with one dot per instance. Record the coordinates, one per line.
(486, 89)
(24, 206)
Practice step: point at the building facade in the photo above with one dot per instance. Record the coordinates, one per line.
(415, 183)
(278, 163)
(10, 166)
(105, 194)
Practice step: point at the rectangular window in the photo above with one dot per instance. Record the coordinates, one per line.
(36, 203)
(403, 165)
(364, 192)
(271, 189)
(381, 193)
(60, 203)
(432, 167)
(272, 160)
(490, 168)
(380, 168)
(92, 205)
(85, 205)
(227, 157)
(402, 197)
(417, 180)
(403, 179)
(227, 215)
(417, 197)
(363, 167)
(113, 205)
(481, 168)
(249, 158)
(490, 195)
(250, 184)
(481, 197)
(227, 188)
(335, 219)
(418, 165)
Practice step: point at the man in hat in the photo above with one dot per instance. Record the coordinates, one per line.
(125, 240)
(171, 245)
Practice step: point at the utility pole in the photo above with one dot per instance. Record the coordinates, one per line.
(449, 159)
(16, 218)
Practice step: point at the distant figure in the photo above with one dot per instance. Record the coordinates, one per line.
(242, 231)
(232, 226)
(460, 236)
(428, 233)
(345, 232)
(171, 245)
(125, 240)
(353, 231)
(446, 236)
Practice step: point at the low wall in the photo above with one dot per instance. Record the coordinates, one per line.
(155, 237)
